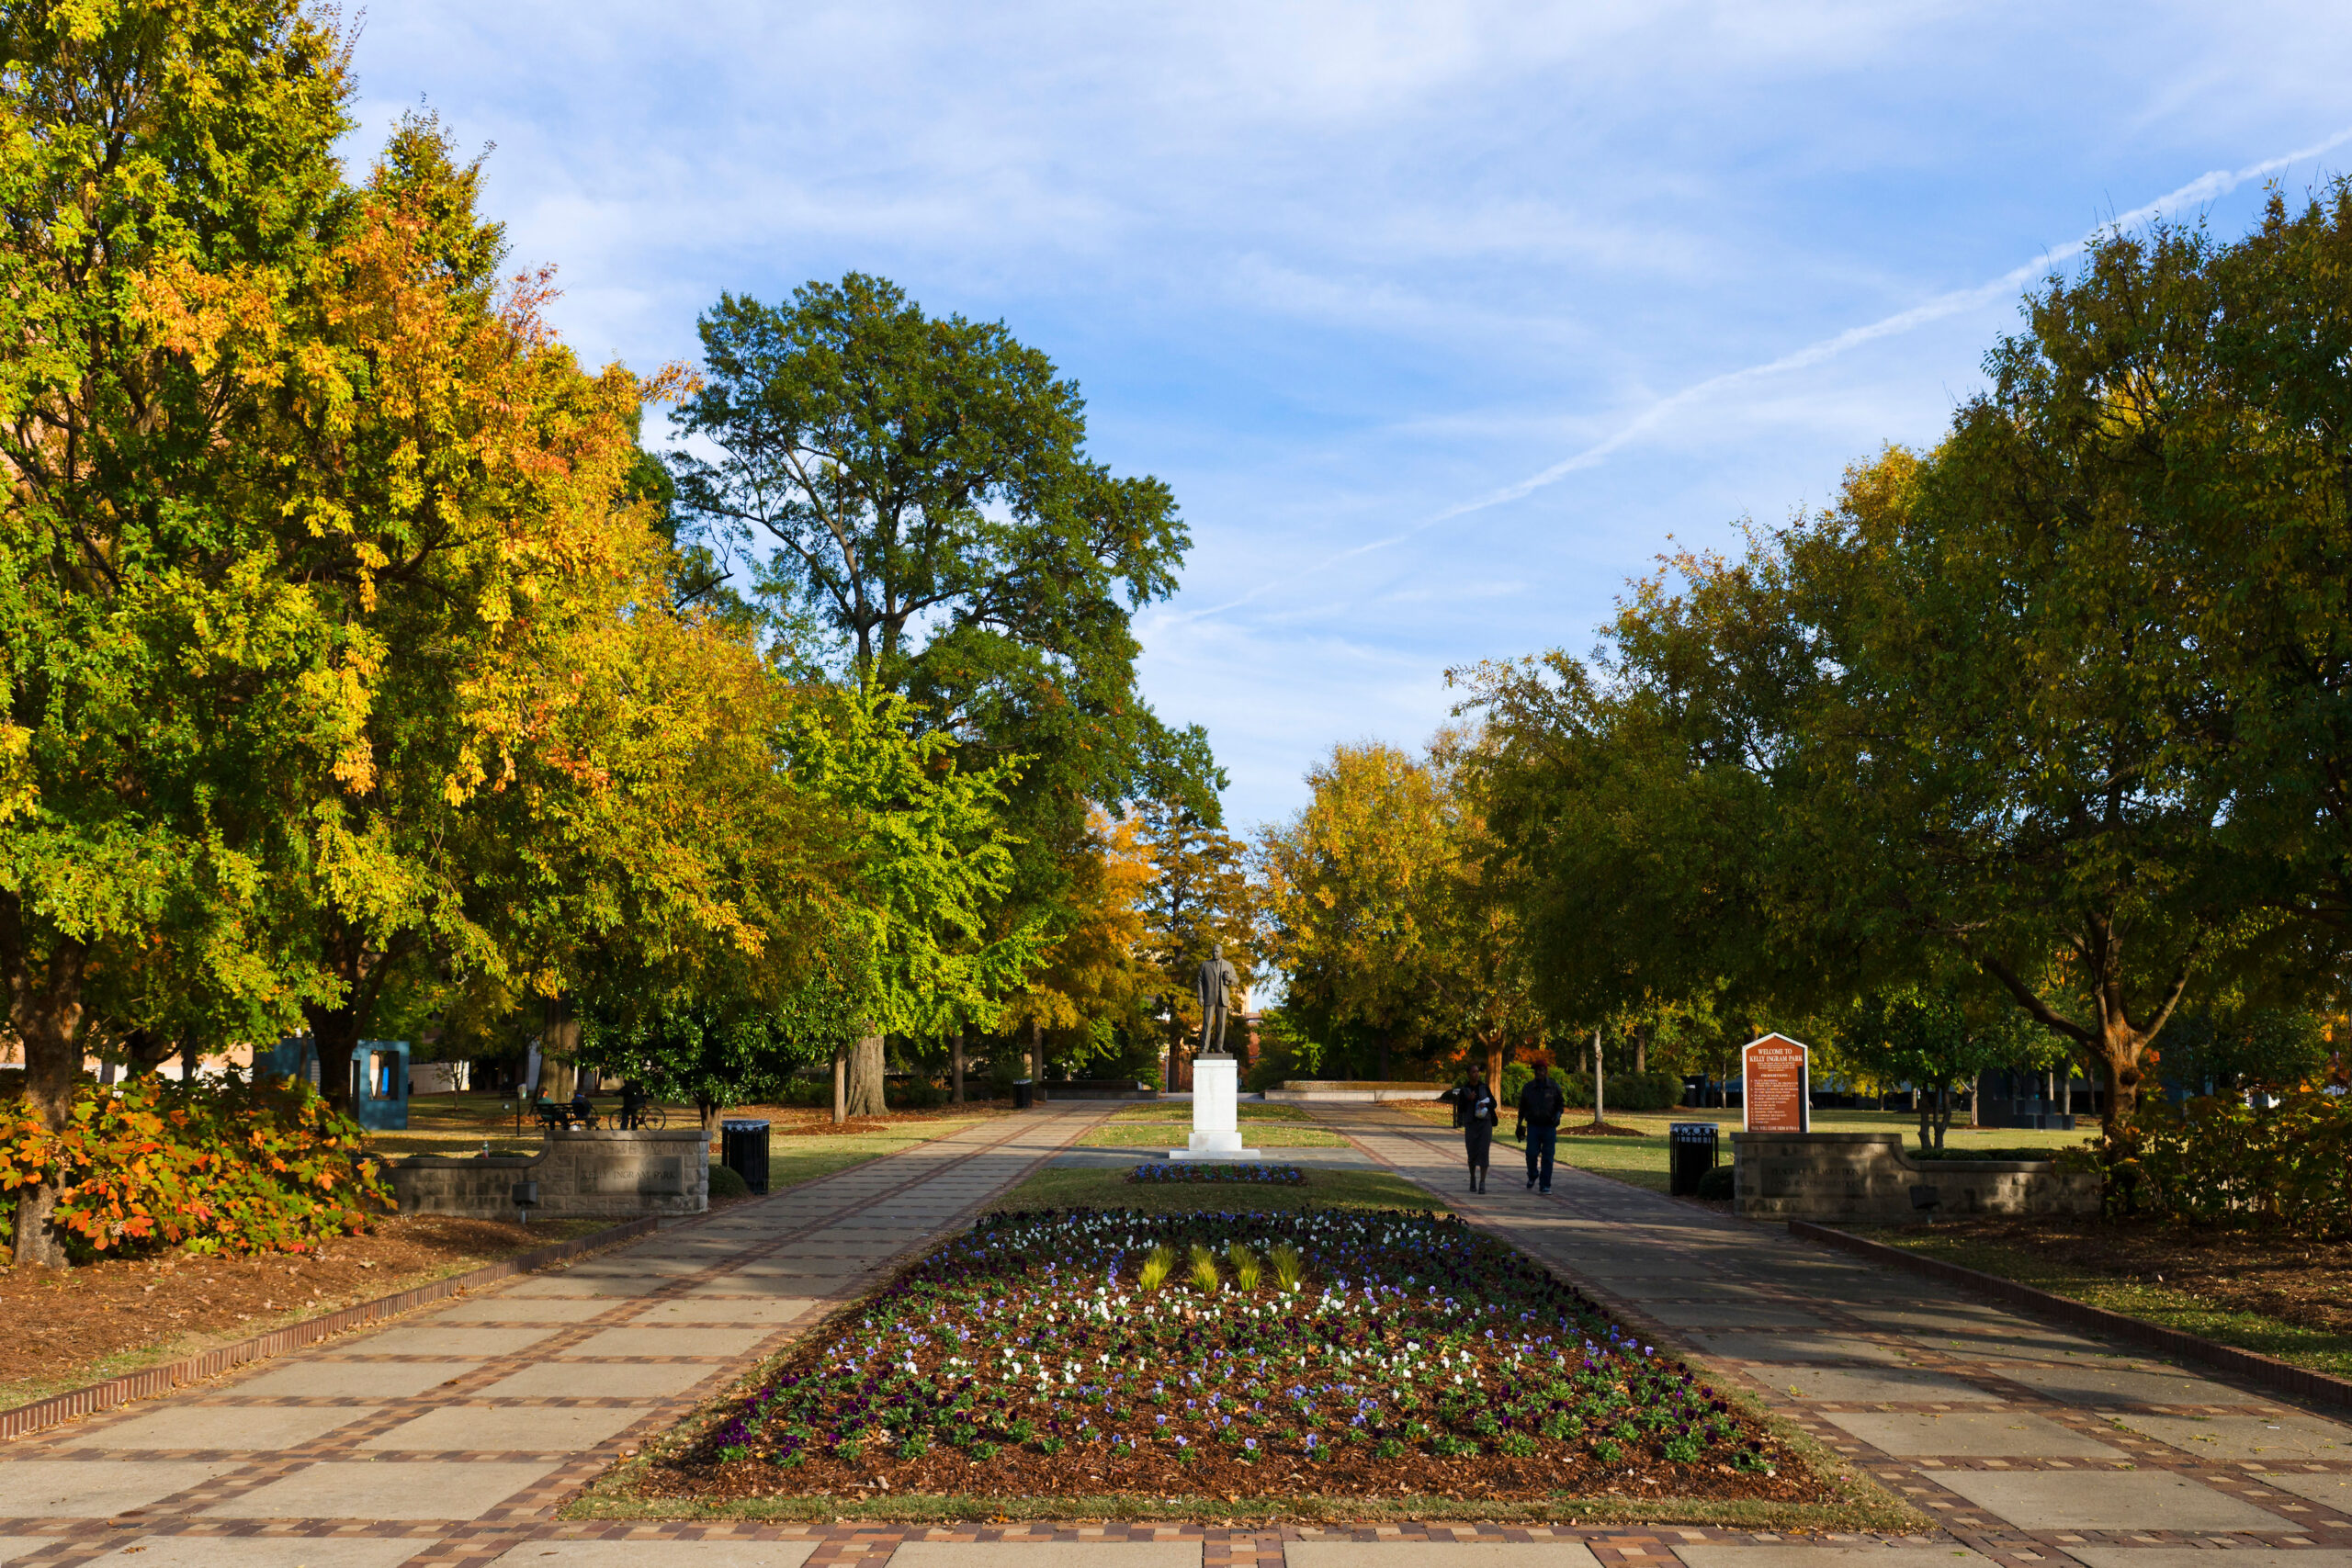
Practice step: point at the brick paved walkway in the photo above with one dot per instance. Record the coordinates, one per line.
(2031, 1445)
(448, 1437)
(444, 1441)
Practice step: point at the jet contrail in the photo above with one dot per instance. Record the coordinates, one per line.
(2220, 182)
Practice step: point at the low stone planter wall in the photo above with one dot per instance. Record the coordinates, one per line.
(1334, 1094)
(1359, 1091)
(1866, 1179)
(580, 1175)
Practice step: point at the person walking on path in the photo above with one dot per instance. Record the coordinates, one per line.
(1476, 1112)
(1541, 1104)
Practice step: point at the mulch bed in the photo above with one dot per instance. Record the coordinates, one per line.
(2308, 1283)
(64, 1323)
(1352, 1353)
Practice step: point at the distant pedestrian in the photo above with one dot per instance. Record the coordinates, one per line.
(1541, 1104)
(1476, 1112)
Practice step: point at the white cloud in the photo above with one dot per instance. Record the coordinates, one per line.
(1437, 316)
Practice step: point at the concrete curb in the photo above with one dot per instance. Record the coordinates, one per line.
(150, 1381)
(2253, 1367)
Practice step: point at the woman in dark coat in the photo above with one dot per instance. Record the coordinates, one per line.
(1474, 1112)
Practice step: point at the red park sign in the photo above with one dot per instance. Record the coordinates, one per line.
(1774, 1092)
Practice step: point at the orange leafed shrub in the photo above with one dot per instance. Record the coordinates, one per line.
(217, 1166)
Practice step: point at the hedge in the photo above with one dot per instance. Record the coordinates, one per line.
(220, 1164)
(2217, 1161)
(1627, 1091)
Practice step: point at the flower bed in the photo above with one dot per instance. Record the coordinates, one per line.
(1193, 1170)
(1103, 1352)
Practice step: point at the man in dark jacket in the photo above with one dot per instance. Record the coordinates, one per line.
(1539, 1106)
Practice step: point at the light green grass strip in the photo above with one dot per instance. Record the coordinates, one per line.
(1181, 1110)
(1262, 1135)
(2165, 1306)
(1080, 1189)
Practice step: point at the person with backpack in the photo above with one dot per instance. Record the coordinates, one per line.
(1476, 1112)
(1541, 1104)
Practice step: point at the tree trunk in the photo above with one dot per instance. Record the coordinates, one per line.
(45, 1007)
(558, 1048)
(956, 1064)
(1641, 1050)
(1599, 1085)
(1495, 1053)
(335, 1035)
(866, 1067)
(840, 1089)
(1036, 1052)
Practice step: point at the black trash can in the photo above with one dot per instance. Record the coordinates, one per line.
(1024, 1094)
(1691, 1153)
(743, 1149)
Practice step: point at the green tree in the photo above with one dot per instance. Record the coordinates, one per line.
(1934, 1039)
(918, 489)
(182, 683)
(2228, 1049)
(929, 856)
(1484, 992)
(711, 1057)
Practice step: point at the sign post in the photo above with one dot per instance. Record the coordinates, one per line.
(1776, 1091)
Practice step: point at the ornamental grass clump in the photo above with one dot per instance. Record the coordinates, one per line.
(1289, 1268)
(1203, 1273)
(1043, 1355)
(1247, 1269)
(1157, 1264)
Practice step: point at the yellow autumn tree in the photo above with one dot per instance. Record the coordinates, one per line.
(1094, 981)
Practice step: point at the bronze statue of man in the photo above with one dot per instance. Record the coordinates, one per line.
(1214, 986)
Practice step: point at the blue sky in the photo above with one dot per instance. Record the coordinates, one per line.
(1438, 319)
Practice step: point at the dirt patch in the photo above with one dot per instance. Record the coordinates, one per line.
(2308, 1283)
(81, 1326)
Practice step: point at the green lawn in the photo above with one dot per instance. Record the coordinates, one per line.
(798, 1159)
(1068, 1189)
(1641, 1161)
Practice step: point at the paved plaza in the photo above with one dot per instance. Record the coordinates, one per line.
(450, 1437)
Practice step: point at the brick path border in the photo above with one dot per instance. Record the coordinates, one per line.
(2252, 1365)
(150, 1381)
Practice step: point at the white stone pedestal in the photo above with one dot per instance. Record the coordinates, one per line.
(1216, 1114)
